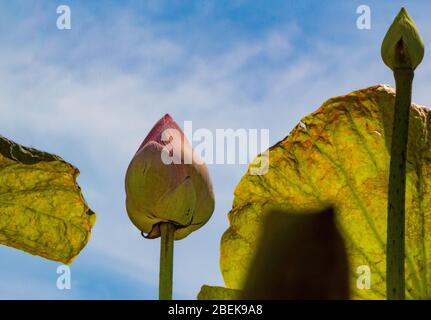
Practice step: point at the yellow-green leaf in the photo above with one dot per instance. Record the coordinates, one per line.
(42, 210)
(339, 155)
(218, 293)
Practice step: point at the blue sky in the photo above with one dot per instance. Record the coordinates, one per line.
(92, 93)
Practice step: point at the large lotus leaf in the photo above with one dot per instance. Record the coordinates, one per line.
(42, 210)
(339, 155)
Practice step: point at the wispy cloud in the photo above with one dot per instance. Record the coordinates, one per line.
(92, 94)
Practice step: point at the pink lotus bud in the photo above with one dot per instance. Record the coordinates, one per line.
(167, 182)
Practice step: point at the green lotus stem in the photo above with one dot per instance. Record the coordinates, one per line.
(402, 51)
(397, 186)
(166, 260)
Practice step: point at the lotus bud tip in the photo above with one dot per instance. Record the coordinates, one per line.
(402, 46)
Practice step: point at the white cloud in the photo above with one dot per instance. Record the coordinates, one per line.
(92, 97)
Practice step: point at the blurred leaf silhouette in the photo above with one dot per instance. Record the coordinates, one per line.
(300, 256)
